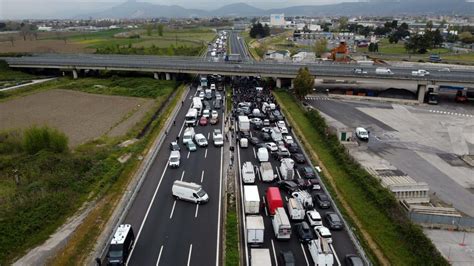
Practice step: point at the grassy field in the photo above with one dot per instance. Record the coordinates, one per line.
(279, 41)
(39, 191)
(8, 74)
(364, 195)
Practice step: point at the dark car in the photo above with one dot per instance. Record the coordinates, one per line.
(174, 146)
(257, 126)
(334, 221)
(293, 147)
(254, 141)
(322, 200)
(298, 158)
(244, 134)
(354, 260)
(266, 137)
(287, 258)
(304, 232)
(307, 172)
(307, 183)
(217, 105)
(288, 186)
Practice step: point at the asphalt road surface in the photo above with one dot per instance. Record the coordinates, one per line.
(237, 46)
(174, 232)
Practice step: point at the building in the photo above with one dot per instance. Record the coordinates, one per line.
(282, 55)
(304, 57)
(277, 20)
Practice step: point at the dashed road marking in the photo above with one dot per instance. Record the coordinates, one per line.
(202, 176)
(172, 209)
(159, 256)
(182, 175)
(304, 253)
(189, 255)
(450, 113)
(197, 210)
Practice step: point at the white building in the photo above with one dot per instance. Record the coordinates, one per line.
(303, 57)
(277, 20)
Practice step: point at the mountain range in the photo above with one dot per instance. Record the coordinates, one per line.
(134, 9)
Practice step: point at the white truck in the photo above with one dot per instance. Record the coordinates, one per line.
(383, 71)
(266, 172)
(276, 134)
(251, 200)
(197, 104)
(248, 173)
(244, 123)
(287, 170)
(281, 224)
(260, 257)
(191, 117)
(420, 73)
(321, 252)
(304, 198)
(255, 230)
(188, 135)
(295, 210)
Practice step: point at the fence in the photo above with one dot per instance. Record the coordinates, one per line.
(446, 222)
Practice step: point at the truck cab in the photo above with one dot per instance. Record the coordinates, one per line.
(121, 245)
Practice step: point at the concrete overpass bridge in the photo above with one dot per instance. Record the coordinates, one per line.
(282, 72)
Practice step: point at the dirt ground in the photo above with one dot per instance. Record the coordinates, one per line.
(43, 46)
(81, 116)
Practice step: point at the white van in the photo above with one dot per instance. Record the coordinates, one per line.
(174, 159)
(244, 143)
(188, 135)
(281, 224)
(262, 154)
(383, 71)
(248, 173)
(362, 133)
(189, 191)
(295, 209)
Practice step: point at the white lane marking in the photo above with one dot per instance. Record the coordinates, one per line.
(265, 206)
(286, 198)
(188, 154)
(258, 173)
(205, 153)
(298, 172)
(251, 134)
(304, 253)
(189, 255)
(335, 255)
(220, 195)
(254, 153)
(172, 209)
(278, 173)
(246, 254)
(202, 176)
(182, 175)
(146, 214)
(274, 254)
(159, 256)
(197, 209)
(208, 135)
(181, 130)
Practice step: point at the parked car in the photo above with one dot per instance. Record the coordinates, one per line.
(322, 200)
(203, 121)
(304, 232)
(314, 218)
(362, 133)
(174, 146)
(288, 186)
(293, 147)
(334, 221)
(298, 158)
(323, 232)
(307, 172)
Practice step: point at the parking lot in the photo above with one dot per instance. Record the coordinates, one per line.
(244, 90)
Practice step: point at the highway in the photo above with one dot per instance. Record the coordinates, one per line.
(173, 232)
(238, 46)
(196, 65)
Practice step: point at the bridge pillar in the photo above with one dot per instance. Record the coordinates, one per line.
(168, 76)
(421, 93)
(74, 74)
(292, 83)
(156, 75)
(278, 83)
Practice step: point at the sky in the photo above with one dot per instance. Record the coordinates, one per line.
(15, 9)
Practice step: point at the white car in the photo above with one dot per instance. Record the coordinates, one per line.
(283, 130)
(362, 133)
(256, 121)
(214, 114)
(323, 232)
(200, 139)
(314, 218)
(217, 138)
(201, 95)
(271, 146)
(206, 113)
(281, 124)
(445, 69)
(288, 139)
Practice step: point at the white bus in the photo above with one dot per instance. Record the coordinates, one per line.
(191, 117)
(197, 104)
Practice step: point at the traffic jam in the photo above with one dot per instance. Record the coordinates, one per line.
(287, 218)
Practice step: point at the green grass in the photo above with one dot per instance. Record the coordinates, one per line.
(469, 57)
(232, 257)
(385, 47)
(54, 185)
(365, 195)
(8, 74)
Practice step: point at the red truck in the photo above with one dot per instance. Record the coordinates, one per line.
(273, 198)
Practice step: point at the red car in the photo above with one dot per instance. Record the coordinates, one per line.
(203, 121)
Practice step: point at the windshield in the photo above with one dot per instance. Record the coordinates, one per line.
(218, 139)
(201, 193)
(114, 254)
(173, 159)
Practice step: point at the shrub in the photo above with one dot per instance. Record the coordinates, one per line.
(36, 139)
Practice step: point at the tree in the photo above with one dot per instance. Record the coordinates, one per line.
(149, 29)
(343, 21)
(429, 25)
(320, 47)
(437, 38)
(303, 83)
(466, 37)
(24, 31)
(418, 43)
(160, 29)
(394, 24)
(258, 31)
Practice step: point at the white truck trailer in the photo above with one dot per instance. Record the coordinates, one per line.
(266, 172)
(251, 200)
(321, 252)
(287, 168)
(244, 123)
(260, 257)
(255, 230)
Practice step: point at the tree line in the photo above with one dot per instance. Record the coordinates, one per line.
(258, 31)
